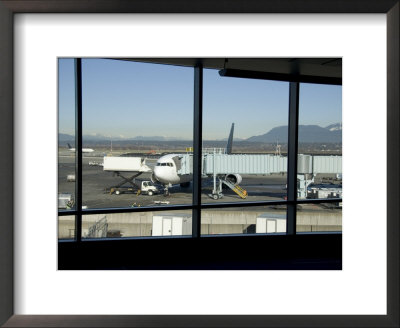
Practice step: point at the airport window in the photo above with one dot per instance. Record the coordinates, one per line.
(244, 146)
(322, 217)
(172, 149)
(132, 113)
(244, 220)
(319, 174)
(66, 227)
(66, 146)
(244, 138)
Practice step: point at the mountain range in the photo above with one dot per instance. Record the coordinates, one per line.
(98, 137)
(307, 134)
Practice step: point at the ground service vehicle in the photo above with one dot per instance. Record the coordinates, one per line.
(146, 188)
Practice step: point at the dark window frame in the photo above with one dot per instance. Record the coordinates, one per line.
(78, 246)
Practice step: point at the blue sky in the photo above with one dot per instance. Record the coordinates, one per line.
(128, 99)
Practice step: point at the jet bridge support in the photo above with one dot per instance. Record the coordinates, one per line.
(217, 192)
(302, 184)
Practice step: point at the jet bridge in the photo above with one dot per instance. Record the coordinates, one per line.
(239, 164)
(217, 163)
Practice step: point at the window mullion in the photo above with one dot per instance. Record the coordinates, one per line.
(78, 149)
(197, 137)
(292, 157)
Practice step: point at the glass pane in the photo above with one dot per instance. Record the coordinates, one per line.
(244, 139)
(320, 141)
(138, 120)
(244, 220)
(66, 133)
(66, 227)
(319, 217)
(140, 224)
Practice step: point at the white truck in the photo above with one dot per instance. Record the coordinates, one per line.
(146, 187)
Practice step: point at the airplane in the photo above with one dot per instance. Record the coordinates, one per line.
(167, 166)
(84, 150)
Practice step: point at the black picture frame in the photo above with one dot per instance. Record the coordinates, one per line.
(8, 8)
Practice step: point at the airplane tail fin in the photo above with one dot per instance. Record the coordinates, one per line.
(69, 146)
(230, 140)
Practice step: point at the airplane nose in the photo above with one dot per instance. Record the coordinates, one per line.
(153, 178)
(156, 173)
(155, 169)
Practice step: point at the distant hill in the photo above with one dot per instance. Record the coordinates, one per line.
(156, 138)
(65, 137)
(307, 134)
(334, 127)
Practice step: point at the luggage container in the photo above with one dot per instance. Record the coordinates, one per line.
(71, 178)
(271, 223)
(64, 199)
(172, 225)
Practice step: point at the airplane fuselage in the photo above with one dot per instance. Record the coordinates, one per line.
(166, 171)
(84, 150)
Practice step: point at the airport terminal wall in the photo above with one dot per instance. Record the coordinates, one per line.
(213, 222)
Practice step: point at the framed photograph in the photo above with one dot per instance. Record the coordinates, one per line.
(212, 298)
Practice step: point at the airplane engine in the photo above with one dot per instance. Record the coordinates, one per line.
(234, 178)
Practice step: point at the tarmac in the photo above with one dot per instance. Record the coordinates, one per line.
(95, 182)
